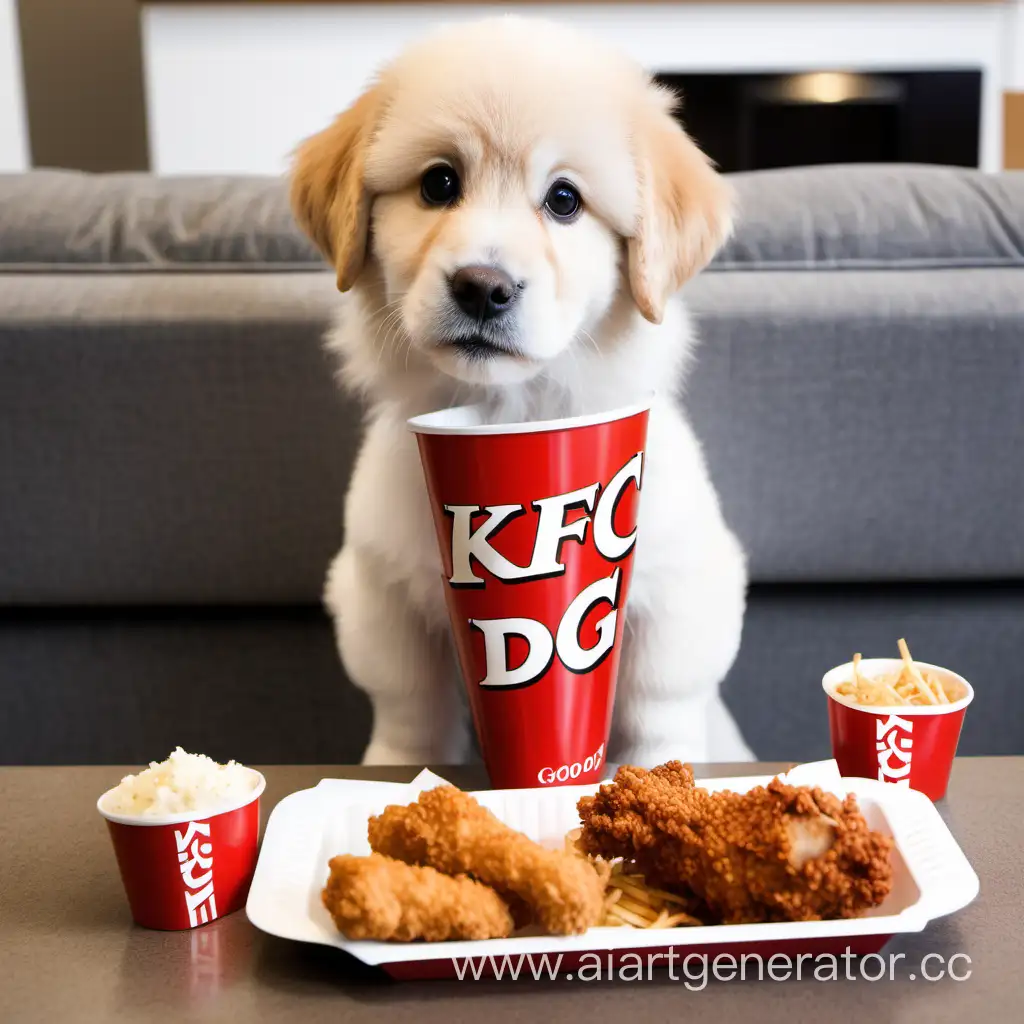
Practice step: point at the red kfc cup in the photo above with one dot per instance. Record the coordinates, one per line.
(537, 527)
(908, 745)
(185, 870)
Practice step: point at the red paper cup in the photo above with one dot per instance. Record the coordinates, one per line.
(906, 745)
(182, 871)
(537, 527)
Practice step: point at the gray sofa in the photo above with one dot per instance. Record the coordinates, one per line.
(173, 455)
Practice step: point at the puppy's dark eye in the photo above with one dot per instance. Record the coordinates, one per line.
(563, 201)
(440, 185)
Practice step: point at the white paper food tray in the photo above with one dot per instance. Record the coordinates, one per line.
(931, 875)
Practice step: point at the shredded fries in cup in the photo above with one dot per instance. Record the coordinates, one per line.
(909, 686)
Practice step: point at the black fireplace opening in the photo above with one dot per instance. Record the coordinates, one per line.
(747, 122)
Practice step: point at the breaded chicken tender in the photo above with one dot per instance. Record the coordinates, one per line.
(378, 898)
(776, 853)
(448, 830)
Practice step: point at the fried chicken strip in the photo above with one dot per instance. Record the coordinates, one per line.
(448, 830)
(777, 853)
(378, 898)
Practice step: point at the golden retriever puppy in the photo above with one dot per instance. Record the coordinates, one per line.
(511, 209)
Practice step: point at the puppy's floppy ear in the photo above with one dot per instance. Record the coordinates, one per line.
(684, 212)
(328, 194)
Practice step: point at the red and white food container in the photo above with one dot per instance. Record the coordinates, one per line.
(185, 870)
(907, 745)
(931, 878)
(536, 524)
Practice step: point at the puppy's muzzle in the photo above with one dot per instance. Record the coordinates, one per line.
(484, 293)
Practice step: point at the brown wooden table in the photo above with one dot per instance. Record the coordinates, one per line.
(69, 952)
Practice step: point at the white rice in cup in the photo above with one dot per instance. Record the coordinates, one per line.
(183, 785)
(168, 825)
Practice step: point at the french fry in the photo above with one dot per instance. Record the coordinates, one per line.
(856, 670)
(908, 663)
(629, 917)
(626, 885)
(644, 910)
(688, 920)
(668, 897)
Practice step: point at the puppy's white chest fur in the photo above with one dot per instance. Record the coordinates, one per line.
(388, 516)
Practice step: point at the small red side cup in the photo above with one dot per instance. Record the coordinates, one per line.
(907, 745)
(182, 871)
(537, 525)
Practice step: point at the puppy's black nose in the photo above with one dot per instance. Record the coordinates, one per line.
(483, 292)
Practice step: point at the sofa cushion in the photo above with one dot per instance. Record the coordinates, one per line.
(860, 217)
(865, 425)
(806, 218)
(136, 222)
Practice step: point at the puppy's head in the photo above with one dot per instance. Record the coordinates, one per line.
(504, 183)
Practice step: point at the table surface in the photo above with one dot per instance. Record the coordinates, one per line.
(69, 952)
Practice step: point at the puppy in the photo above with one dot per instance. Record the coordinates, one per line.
(511, 209)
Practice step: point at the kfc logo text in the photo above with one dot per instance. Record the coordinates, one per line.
(471, 544)
(195, 860)
(895, 746)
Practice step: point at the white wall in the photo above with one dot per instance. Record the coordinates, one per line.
(1014, 52)
(13, 129)
(234, 88)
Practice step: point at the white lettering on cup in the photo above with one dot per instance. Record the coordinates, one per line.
(541, 648)
(551, 533)
(611, 545)
(893, 741)
(572, 654)
(571, 771)
(192, 855)
(468, 543)
(539, 651)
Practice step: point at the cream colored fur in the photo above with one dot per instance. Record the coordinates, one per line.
(515, 104)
